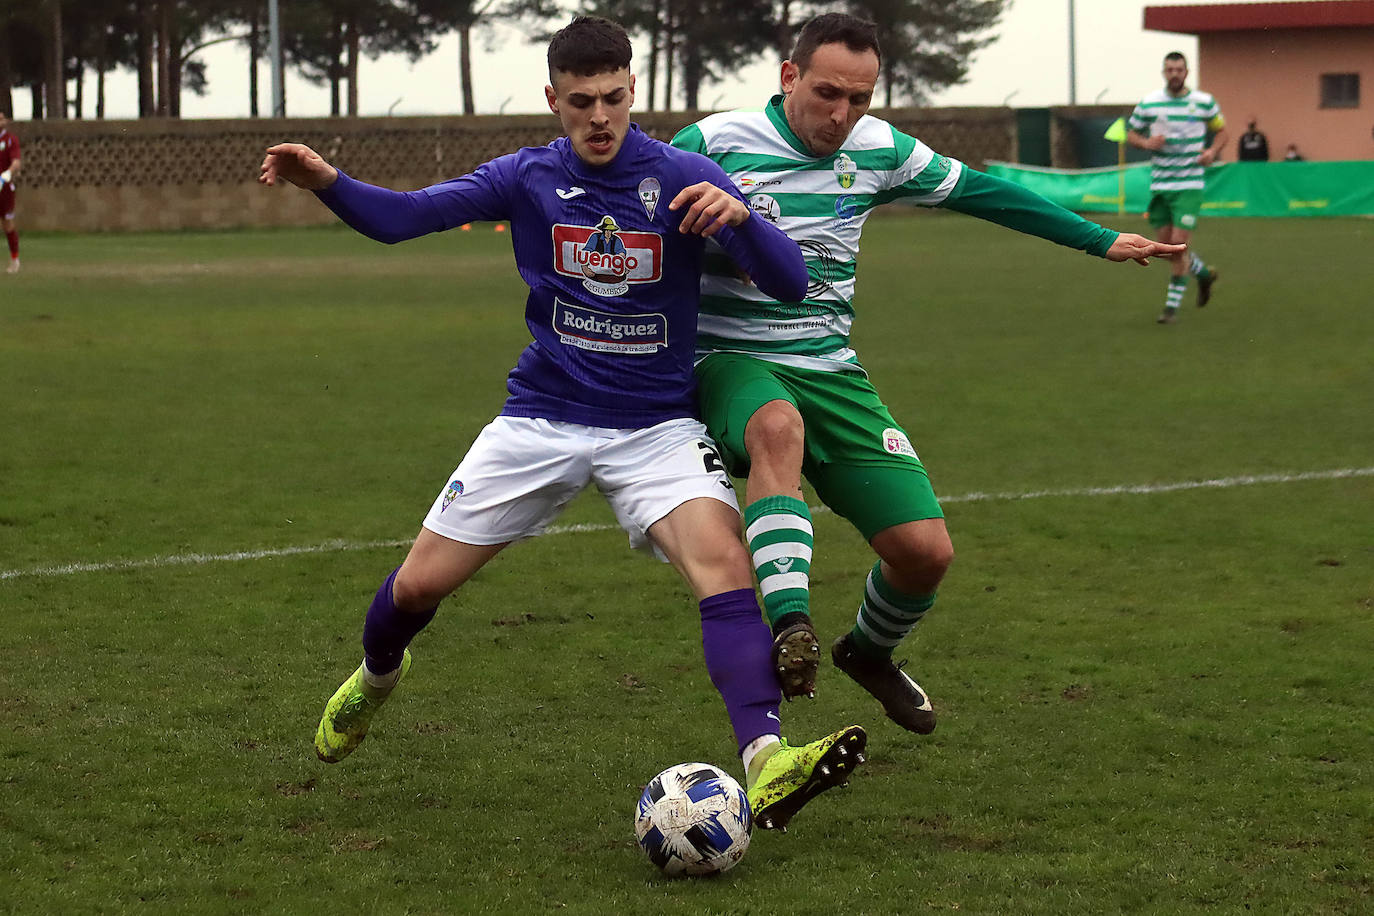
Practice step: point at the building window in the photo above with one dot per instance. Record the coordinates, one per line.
(1340, 90)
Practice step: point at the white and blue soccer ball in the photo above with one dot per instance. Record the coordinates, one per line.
(694, 819)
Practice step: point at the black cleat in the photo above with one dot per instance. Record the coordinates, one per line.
(796, 659)
(903, 699)
(1168, 316)
(1204, 288)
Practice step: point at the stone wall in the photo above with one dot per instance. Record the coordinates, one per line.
(169, 174)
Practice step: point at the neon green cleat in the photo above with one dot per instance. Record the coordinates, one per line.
(348, 714)
(792, 776)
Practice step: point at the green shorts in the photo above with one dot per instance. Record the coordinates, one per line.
(1175, 208)
(859, 460)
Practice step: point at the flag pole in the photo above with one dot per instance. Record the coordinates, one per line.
(1117, 134)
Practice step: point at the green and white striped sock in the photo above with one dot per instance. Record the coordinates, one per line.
(1196, 267)
(778, 529)
(886, 616)
(1174, 297)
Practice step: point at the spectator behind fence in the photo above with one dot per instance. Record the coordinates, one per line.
(1253, 145)
(1292, 155)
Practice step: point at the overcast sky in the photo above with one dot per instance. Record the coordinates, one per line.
(1027, 66)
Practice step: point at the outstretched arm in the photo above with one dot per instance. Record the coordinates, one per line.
(297, 164)
(1007, 203)
(378, 213)
(773, 261)
(1131, 247)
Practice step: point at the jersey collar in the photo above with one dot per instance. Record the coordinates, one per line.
(635, 139)
(778, 116)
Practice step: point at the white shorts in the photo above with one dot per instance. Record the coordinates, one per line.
(520, 473)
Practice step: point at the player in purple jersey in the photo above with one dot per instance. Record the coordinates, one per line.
(603, 394)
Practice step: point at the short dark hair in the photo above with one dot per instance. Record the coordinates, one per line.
(1176, 55)
(856, 34)
(589, 45)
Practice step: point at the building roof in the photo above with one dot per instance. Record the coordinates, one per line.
(1239, 17)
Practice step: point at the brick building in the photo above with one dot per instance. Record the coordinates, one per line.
(1303, 70)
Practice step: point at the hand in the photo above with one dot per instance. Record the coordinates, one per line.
(711, 208)
(5, 177)
(1208, 156)
(296, 164)
(1156, 142)
(1131, 247)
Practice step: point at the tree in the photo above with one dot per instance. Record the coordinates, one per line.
(324, 39)
(465, 16)
(54, 60)
(718, 37)
(22, 28)
(928, 44)
(704, 41)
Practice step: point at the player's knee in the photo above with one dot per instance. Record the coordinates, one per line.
(775, 428)
(922, 561)
(414, 591)
(941, 556)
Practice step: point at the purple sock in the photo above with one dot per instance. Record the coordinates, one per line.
(738, 647)
(387, 630)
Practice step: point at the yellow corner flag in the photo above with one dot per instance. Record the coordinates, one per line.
(1117, 132)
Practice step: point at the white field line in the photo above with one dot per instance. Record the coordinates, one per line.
(340, 546)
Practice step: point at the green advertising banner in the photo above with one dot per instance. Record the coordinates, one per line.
(1233, 189)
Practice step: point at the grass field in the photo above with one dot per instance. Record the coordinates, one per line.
(1155, 694)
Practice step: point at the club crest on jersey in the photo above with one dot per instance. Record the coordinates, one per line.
(845, 171)
(895, 442)
(606, 258)
(605, 332)
(649, 191)
(455, 490)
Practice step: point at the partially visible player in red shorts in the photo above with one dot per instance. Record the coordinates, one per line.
(9, 170)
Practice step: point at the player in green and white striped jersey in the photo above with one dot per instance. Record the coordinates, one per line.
(781, 389)
(1173, 123)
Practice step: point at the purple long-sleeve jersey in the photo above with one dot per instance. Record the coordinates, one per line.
(614, 285)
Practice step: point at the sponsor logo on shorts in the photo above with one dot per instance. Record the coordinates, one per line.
(589, 329)
(895, 442)
(1187, 220)
(455, 490)
(607, 259)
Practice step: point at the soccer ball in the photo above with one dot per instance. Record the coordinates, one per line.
(694, 819)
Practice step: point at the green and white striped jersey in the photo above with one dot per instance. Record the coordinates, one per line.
(1184, 121)
(822, 204)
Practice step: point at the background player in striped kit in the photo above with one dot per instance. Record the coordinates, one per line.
(1173, 123)
(604, 393)
(782, 391)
